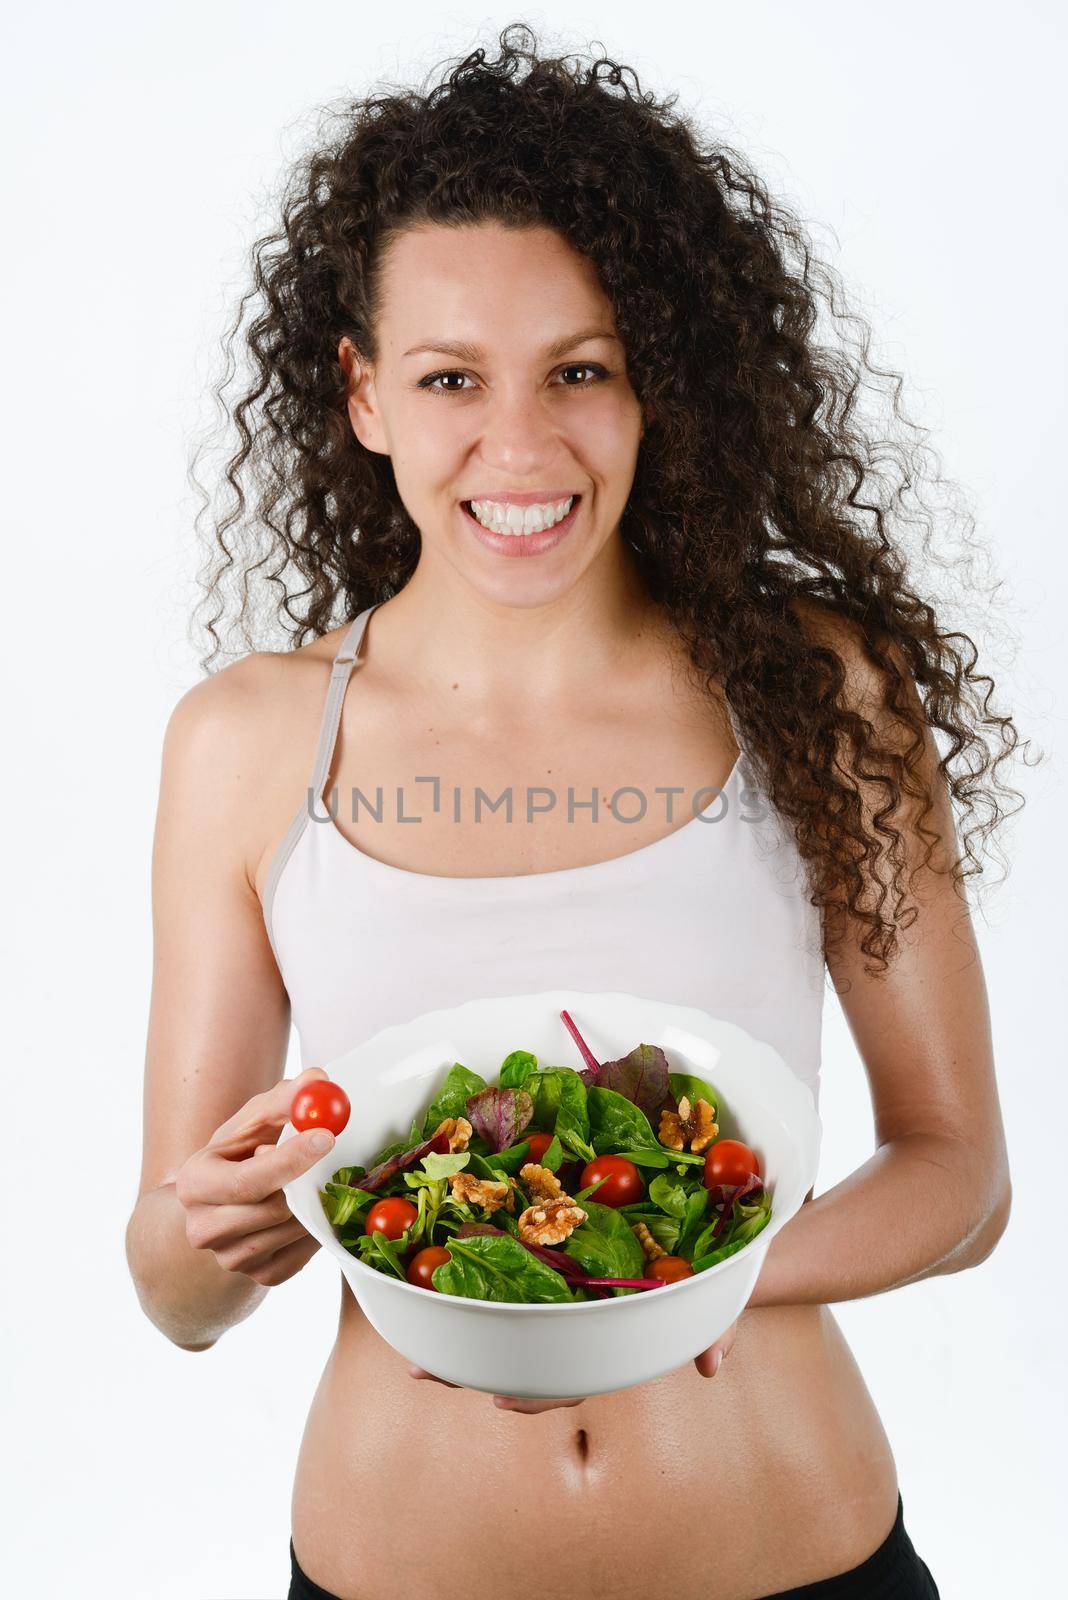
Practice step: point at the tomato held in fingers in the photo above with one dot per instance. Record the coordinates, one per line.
(320, 1104)
(390, 1216)
(422, 1264)
(669, 1269)
(622, 1185)
(539, 1143)
(729, 1161)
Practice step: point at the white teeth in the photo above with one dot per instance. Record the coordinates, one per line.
(513, 519)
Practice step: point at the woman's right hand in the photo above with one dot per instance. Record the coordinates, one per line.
(232, 1188)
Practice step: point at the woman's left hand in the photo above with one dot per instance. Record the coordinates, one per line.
(707, 1363)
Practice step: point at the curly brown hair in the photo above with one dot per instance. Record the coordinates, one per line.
(761, 501)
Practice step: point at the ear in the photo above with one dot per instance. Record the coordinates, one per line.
(362, 401)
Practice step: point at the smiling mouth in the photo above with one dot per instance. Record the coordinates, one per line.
(506, 532)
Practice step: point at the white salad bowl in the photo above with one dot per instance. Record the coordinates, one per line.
(543, 1351)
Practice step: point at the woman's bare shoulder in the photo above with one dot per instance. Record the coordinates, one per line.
(240, 743)
(252, 697)
(239, 749)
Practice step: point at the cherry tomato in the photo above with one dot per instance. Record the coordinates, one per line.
(729, 1161)
(539, 1143)
(320, 1104)
(623, 1180)
(669, 1269)
(422, 1265)
(390, 1216)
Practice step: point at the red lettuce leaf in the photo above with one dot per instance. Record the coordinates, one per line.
(641, 1077)
(396, 1163)
(624, 1283)
(500, 1115)
(721, 1197)
(592, 1073)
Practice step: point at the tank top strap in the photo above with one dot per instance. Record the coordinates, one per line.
(735, 729)
(340, 673)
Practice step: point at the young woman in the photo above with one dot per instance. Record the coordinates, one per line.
(539, 290)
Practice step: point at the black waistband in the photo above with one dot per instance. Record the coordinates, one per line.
(892, 1572)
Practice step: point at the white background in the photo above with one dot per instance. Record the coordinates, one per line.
(141, 146)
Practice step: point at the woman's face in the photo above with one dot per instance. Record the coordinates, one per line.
(500, 379)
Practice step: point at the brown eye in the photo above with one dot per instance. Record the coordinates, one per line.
(584, 366)
(433, 378)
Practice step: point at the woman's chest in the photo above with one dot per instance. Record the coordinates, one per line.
(493, 797)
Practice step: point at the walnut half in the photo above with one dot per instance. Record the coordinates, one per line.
(540, 1182)
(486, 1192)
(550, 1221)
(457, 1130)
(693, 1125)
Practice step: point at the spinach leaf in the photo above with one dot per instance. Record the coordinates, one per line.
(617, 1123)
(451, 1099)
(497, 1267)
(684, 1083)
(604, 1245)
(646, 1158)
(574, 1143)
(516, 1069)
(554, 1154)
(509, 1160)
(560, 1104)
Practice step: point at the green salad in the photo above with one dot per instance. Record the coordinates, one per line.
(555, 1184)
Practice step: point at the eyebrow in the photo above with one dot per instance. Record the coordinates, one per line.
(472, 352)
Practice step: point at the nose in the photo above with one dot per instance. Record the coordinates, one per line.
(517, 435)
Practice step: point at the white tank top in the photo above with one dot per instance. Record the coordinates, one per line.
(714, 914)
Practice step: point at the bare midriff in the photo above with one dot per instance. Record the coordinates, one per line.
(774, 1473)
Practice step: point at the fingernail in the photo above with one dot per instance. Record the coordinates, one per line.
(321, 1140)
(717, 1363)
